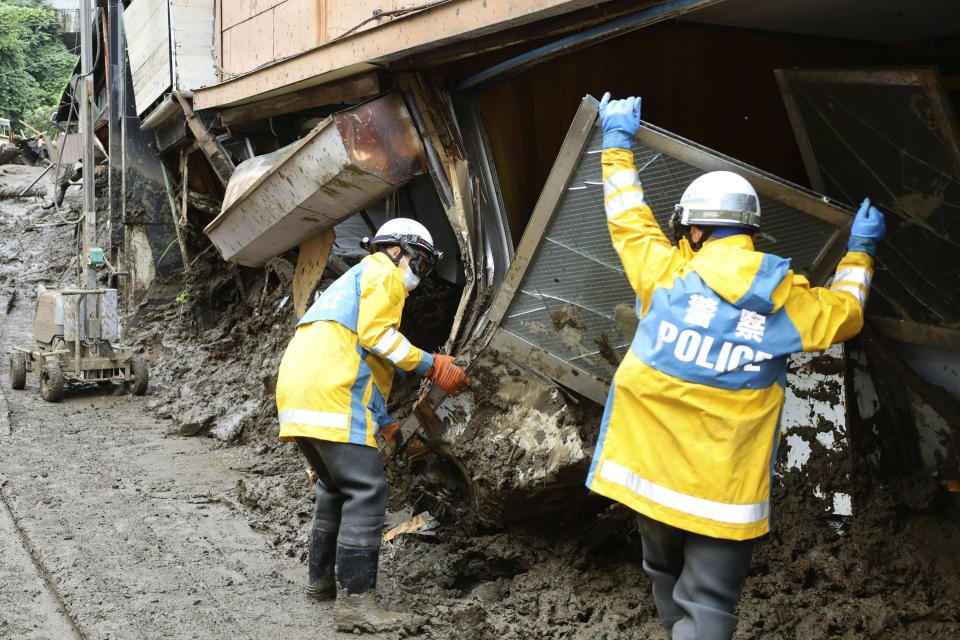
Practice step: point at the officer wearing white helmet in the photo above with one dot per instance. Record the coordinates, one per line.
(691, 425)
(332, 392)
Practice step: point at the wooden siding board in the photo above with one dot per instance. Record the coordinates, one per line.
(150, 91)
(235, 12)
(159, 58)
(252, 43)
(185, 16)
(294, 27)
(193, 26)
(142, 36)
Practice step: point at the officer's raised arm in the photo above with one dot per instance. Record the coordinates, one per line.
(643, 248)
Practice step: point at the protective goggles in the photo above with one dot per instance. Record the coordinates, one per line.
(423, 257)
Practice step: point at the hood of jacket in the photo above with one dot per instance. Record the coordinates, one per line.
(393, 270)
(744, 277)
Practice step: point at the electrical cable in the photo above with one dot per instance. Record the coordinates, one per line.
(386, 14)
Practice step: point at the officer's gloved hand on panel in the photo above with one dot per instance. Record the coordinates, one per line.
(620, 120)
(868, 229)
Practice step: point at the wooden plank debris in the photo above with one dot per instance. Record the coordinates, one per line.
(217, 156)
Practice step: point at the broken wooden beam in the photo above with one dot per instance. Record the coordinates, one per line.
(926, 335)
(359, 86)
(314, 254)
(215, 153)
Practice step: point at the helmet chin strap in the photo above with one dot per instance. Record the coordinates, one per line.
(685, 231)
(705, 234)
(410, 279)
(394, 260)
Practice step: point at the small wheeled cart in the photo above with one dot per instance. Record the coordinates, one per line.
(74, 329)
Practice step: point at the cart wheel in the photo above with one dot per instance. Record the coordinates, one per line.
(139, 376)
(18, 370)
(51, 382)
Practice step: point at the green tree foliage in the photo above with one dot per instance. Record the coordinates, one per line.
(34, 63)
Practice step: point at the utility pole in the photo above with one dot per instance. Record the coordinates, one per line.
(84, 89)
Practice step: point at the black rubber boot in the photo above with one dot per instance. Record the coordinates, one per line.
(323, 551)
(356, 609)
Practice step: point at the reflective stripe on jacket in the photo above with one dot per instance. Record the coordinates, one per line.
(691, 424)
(336, 373)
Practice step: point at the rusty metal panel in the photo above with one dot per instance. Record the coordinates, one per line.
(349, 160)
(566, 307)
(890, 134)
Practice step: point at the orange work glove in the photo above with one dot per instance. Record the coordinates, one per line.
(391, 432)
(447, 375)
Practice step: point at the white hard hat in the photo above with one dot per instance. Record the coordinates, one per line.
(720, 199)
(409, 235)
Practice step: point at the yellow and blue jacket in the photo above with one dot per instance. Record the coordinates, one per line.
(336, 373)
(691, 425)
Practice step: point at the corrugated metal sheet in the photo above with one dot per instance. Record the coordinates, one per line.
(572, 313)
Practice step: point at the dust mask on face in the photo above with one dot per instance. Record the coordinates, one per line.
(410, 279)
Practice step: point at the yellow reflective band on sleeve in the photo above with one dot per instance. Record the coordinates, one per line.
(857, 292)
(853, 275)
(719, 511)
(315, 418)
(623, 202)
(401, 352)
(390, 338)
(620, 179)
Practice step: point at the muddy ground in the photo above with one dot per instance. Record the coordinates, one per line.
(147, 531)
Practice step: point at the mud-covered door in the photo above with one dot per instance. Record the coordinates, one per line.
(566, 309)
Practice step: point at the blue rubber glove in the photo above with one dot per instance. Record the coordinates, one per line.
(620, 120)
(867, 230)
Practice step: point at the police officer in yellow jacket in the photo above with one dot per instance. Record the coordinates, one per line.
(332, 391)
(690, 430)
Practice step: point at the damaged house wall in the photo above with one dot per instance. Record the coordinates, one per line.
(144, 208)
(135, 224)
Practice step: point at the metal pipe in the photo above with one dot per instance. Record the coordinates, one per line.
(115, 81)
(164, 111)
(85, 86)
(630, 22)
(81, 292)
(43, 173)
(76, 323)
